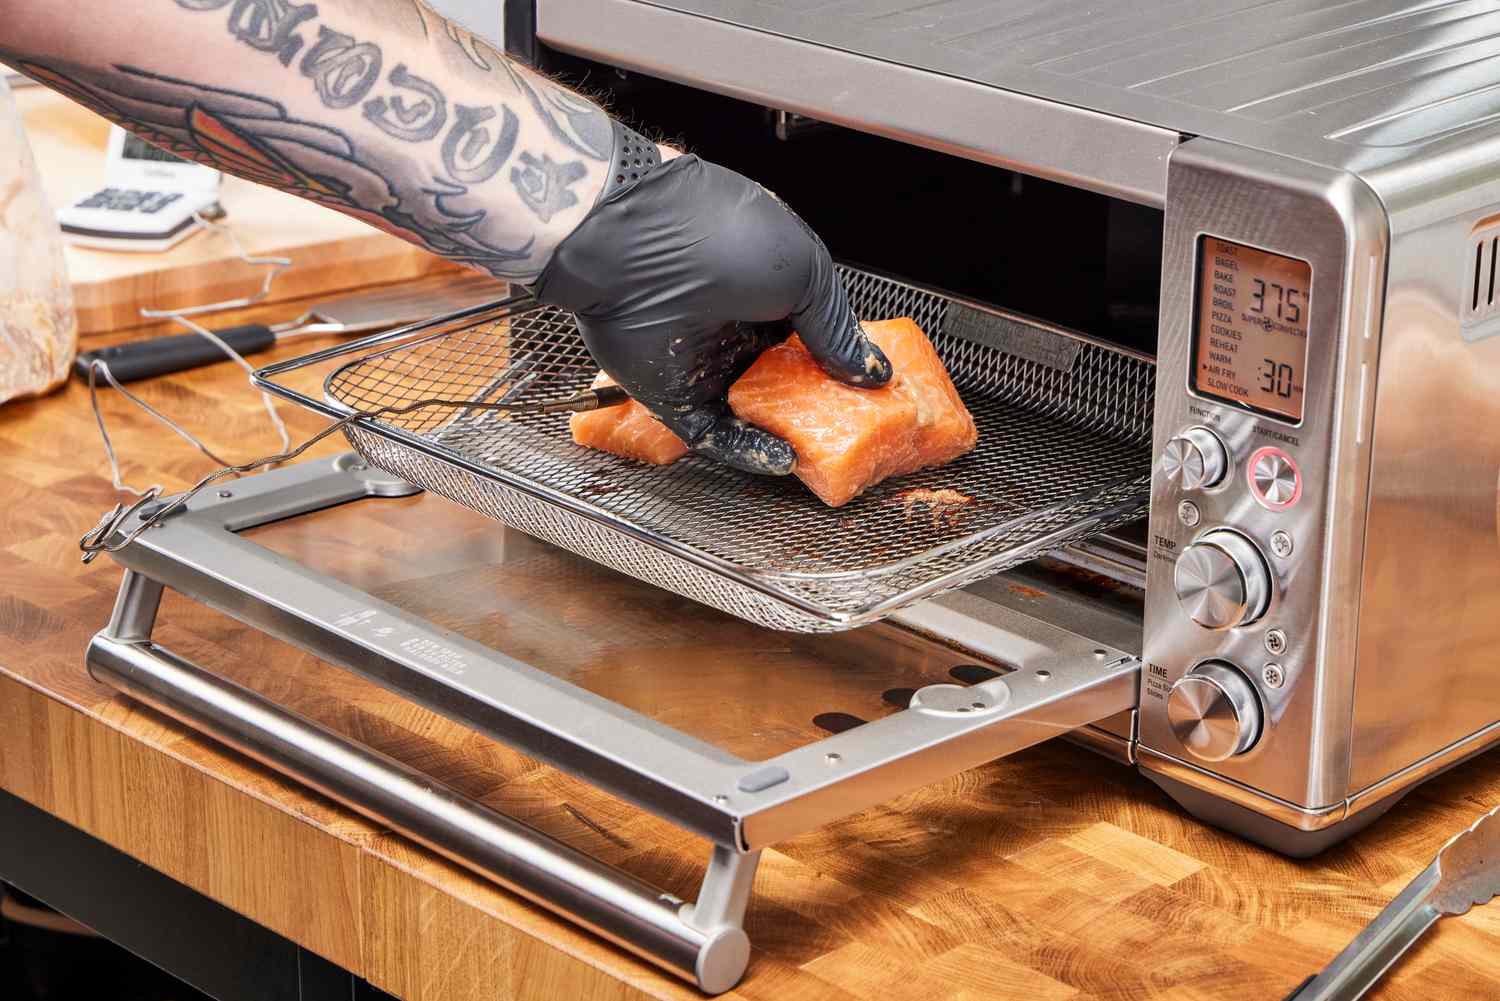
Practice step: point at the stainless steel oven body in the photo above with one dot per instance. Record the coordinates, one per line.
(1344, 558)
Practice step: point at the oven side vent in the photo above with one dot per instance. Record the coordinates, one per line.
(1481, 284)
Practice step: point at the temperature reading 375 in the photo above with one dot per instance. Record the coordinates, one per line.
(1250, 343)
(1285, 303)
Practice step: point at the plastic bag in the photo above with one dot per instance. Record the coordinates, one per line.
(38, 328)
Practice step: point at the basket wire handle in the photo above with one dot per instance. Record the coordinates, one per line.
(273, 266)
(101, 538)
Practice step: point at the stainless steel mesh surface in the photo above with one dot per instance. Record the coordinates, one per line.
(1064, 452)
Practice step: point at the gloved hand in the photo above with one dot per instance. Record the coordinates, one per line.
(681, 275)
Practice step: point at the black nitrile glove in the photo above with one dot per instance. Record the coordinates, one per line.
(680, 278)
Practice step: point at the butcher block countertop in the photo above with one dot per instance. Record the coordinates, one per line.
(1054, 874)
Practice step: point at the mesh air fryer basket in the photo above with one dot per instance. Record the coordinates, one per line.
(1064, 453)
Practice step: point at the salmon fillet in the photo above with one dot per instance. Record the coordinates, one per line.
(848, 439)
(628, 430)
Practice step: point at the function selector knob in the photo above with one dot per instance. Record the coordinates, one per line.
(1213, 712)
(1222, 580)
(1196, 458)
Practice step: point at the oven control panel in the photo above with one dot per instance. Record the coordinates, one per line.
(1233, 585)
(1251, 420)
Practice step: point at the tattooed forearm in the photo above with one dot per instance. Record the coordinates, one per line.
(344, 72)
(479, 140)
(378, 108)
(257, 139)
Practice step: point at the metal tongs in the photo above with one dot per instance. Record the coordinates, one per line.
(1465, 874)
(151, 508)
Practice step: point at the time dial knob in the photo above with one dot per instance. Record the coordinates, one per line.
(1222, 580)
(1196, 458)
(1213, 712)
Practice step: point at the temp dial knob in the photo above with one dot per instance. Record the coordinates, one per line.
(1213, 712)
(1222, 580)
(1196, 458)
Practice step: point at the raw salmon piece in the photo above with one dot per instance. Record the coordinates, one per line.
(845, 438)
(629, 430)
(945, 428)
(848, 439)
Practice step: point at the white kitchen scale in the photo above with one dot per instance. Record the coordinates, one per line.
(150, 201)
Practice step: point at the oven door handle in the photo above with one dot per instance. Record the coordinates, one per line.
(198, 552)
(702, 942)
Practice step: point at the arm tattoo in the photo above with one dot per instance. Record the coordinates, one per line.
(269, 25)
(256, 138)
(422, 15)
(436, 205)
(342, 69)
(416, 122)
(473, 47)
(470, 153)
(574, 121)
(345, 72)
(543, 185)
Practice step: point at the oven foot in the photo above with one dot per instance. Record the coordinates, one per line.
(720, 913)
(1256, 827)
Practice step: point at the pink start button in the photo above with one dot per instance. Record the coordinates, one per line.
(1274, 478)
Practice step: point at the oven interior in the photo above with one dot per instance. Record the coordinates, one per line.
(1072, 257)
(1068, 256)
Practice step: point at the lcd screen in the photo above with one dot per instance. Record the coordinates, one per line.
(136, 148)
(1250, 347)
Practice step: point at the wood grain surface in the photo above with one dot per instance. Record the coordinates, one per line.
(1053, 874)
(329, 252)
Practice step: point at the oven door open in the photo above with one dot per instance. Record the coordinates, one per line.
(739, 734)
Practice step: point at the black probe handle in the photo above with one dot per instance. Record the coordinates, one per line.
(177, 353)
(610, 396)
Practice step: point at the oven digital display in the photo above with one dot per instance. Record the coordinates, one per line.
(1250, 347)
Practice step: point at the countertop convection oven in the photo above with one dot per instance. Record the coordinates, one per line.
(1321, 556)
(1227, 272)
